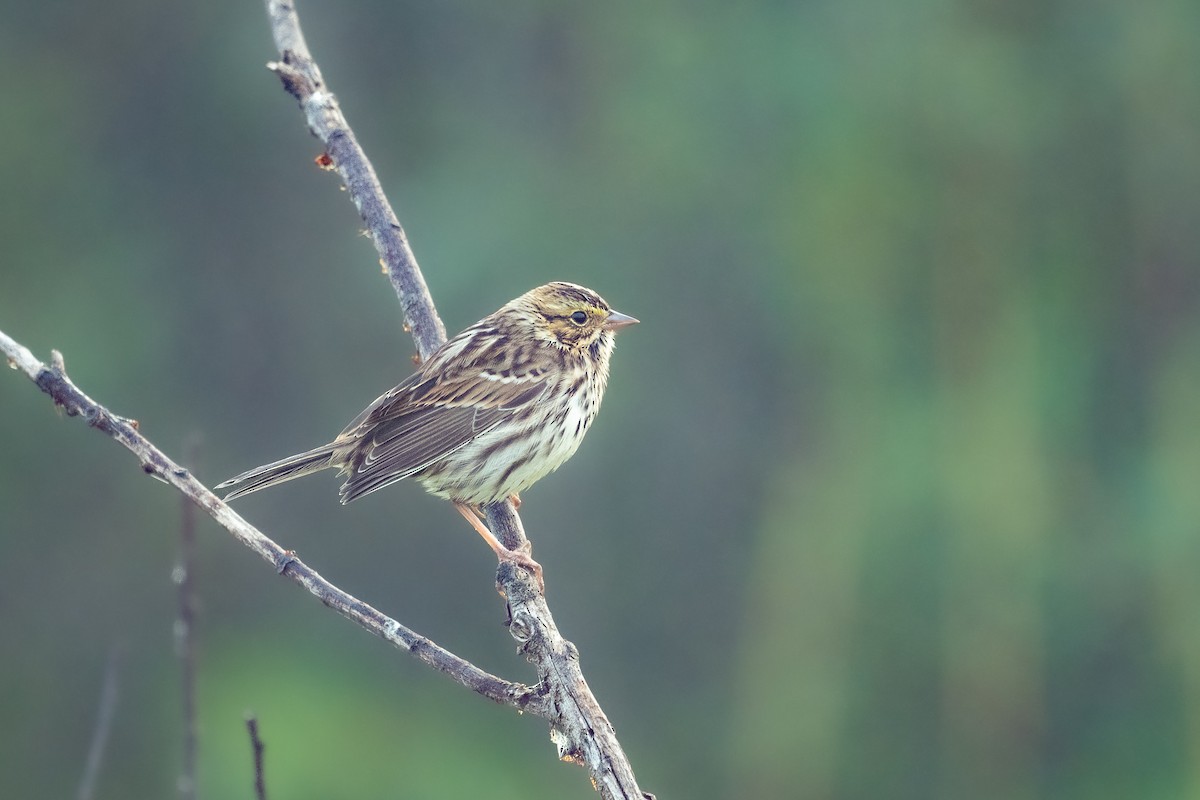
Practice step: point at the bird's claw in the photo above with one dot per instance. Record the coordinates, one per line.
(521, 558)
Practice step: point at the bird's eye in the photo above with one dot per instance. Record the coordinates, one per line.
(579, 317)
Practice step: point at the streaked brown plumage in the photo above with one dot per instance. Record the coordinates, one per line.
(492, 411)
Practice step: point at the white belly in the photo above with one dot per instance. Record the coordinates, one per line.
(504, 459)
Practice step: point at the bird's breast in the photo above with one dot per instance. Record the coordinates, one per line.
(515, 454)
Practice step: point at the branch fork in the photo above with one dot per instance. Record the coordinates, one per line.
(579, 729)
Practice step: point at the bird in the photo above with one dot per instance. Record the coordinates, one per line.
(492, 411)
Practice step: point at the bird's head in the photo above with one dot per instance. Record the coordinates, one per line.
(571, 316)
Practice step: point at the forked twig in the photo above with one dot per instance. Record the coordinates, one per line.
(578, 726)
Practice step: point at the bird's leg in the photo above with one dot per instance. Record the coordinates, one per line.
(475, 517)
(516, 501)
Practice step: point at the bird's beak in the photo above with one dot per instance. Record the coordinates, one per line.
(618, 320)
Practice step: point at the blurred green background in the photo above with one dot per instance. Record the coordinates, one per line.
(896, 492)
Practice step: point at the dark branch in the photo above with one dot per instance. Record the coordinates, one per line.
(256, 744)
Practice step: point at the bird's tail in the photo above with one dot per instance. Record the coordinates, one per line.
(296, 466)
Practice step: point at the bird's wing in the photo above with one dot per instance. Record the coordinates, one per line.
(421, 421)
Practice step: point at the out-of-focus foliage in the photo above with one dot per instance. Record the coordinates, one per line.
(897, 488)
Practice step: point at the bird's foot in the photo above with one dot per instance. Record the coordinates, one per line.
(521, 558)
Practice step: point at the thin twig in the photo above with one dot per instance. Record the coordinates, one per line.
(185, 626)
(54, 382)
(260, 784)
(578, 726)
(302, 78)
(106, 710)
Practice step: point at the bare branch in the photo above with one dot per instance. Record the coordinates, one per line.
(577, 724)
(54, 381)
(303, 80)
(256, 744)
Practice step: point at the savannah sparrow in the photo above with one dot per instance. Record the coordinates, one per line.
(492, 411)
